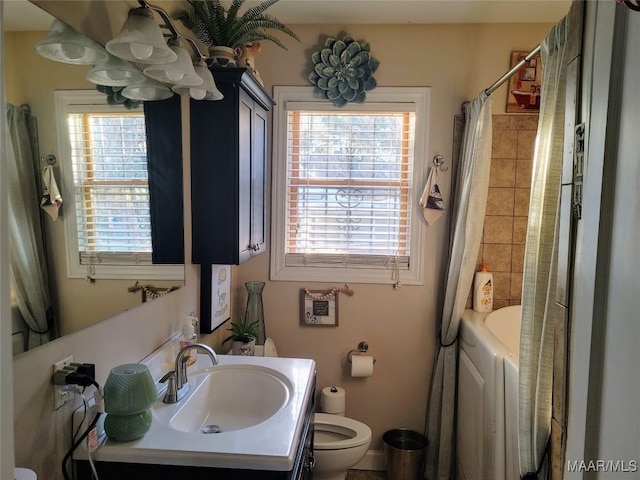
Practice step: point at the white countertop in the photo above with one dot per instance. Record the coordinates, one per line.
(270, 445)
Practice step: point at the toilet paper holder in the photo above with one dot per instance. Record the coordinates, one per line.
(363, 347)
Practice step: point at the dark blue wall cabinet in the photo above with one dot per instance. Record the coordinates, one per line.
(164, 165)
(228, 165)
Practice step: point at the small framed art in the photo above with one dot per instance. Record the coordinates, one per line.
(318, 308)
(215, 297)
(525, 84)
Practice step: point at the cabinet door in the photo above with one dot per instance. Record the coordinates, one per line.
(164, 166)
(258, 174)
(245, 133)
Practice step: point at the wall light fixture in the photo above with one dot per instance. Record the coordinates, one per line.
(64, 44)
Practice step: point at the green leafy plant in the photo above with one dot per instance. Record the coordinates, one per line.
(216, 26)
(242, 332)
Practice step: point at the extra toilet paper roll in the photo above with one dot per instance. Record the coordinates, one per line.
(361, 366)
(332, 400)
(24, 474)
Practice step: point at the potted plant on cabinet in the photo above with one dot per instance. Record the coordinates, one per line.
(243, 337)
(224, 31)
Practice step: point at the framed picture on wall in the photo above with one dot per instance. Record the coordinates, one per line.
(524, 86)
(318, 308)
(215, 296)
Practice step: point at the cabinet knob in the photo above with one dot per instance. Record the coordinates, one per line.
(255, 247)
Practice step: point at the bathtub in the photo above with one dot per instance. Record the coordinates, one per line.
(486, 434)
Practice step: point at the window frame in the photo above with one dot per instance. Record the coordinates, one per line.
(89, 101)
(416, 99)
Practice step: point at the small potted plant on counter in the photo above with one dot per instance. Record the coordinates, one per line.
(243, 337)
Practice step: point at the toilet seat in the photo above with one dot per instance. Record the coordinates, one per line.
(333, 432)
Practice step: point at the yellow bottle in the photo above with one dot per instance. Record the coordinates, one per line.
(483, 290)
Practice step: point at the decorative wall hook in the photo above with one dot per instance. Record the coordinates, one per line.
(48, 160)
(438, 161)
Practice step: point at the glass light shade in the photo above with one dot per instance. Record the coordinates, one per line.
(207, 91)
(64, 44)
(115, 72)
(125, 428)
(178, 72)
(141, 40)
(147, 90)
(129, 390)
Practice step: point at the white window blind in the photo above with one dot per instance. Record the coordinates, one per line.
(345, 186)
(103, 172)
(111, 193)
(349, 186)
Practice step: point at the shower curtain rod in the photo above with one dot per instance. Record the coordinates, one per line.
(511, 72)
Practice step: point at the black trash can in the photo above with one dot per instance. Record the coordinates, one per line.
(405, 451)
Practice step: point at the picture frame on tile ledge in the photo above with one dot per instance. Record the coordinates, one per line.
(318, 308)
(525, 85)
(215, 296)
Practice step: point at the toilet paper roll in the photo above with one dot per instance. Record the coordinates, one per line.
(361, 366)
(332, 400)
(24, 474)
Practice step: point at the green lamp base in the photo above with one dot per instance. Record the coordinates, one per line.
(125, 428)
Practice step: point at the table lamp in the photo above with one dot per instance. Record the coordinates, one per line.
(129, 394)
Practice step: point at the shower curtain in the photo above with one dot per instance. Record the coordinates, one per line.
(539, 281)
(469, 205)
(28, 275)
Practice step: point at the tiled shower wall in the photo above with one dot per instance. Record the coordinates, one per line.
(505, 223)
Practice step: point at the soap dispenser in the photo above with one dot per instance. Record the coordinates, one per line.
(189, 337)
(483, 290)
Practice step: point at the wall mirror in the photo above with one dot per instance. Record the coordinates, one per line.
(32, 80)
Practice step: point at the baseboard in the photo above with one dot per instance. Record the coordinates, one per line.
(373, 460)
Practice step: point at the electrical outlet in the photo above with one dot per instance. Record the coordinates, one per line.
(60, 396)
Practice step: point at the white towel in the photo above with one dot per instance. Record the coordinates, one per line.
(51, 198)
(431, 199)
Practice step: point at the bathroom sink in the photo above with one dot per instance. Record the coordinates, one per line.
(259, 403)
(226, 398)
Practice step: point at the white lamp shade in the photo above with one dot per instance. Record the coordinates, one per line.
(64, 44)
(148, 91)
(115, 72)
(178, 72)
(141, 40)
(207, 91)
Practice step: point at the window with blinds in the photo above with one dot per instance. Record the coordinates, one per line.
(345, 186)
(349, 182)
(111, 193)
(104, 175)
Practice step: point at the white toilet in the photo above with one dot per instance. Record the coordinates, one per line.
(339, 442)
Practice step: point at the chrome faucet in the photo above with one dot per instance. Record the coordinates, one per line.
(178, 377)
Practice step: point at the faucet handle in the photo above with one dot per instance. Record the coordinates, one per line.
(182, 377)
(171, 396)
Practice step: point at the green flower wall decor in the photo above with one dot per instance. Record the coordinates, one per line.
(343, 70)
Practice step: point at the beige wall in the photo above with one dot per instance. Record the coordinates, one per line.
(457, 62)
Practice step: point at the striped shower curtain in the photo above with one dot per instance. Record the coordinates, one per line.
(469, 205)
(539, 278)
